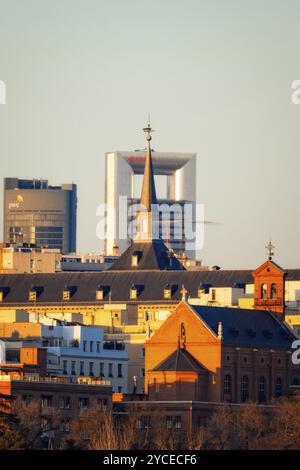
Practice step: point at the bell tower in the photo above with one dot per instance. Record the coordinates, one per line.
(269, 285)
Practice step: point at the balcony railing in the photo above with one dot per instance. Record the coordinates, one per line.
(58, 380)
(268, 302)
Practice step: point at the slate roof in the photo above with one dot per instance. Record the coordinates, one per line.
(180, 360)
(247, 327)
(153, 255)
(148, 196)
(151, 285)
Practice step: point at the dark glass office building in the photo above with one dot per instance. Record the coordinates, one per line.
(37, 213)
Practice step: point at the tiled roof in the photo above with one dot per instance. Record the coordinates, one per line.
(180, 360)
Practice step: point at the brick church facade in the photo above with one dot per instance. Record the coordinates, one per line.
(216, 354)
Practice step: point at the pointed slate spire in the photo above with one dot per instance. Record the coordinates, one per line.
(148, 196)
(147, 246)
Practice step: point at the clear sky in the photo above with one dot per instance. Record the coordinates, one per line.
(82, 75)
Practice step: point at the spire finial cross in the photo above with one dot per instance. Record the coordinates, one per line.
(148, 130)
(183, 292)
(270, 247)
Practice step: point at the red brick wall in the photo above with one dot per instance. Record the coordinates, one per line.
(269, 274)
(200, 342)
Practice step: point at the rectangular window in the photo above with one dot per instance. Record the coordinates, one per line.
(65, 369)
(143, 352)
(167, 293)
(145, 422)
(142, 372)
(120, 371)
(177, 422)
(64, 426)
(45, 424)
(84, 346)
(65, 403)
(91, 369)
(32, 295)
(213, 294)
(133, 294)
(101, 369)
(66, 294)
(169, 422)
(46, 401)
(83, 403)
(91, 346)
(110, 370)
(120, 389)
(99, 294)
(98, 346)
(73, 371)
(81, 368)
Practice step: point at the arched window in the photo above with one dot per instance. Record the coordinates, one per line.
(278, 387)
(273, 291)
(245, 388)
(262, 389)
(227, 384)
(263, 294)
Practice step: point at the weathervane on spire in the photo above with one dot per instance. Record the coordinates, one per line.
(270, 247)
(148, 130)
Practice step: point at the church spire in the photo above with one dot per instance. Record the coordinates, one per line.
(148, 197)
(147, 215)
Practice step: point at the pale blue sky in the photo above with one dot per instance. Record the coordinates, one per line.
(216, 77)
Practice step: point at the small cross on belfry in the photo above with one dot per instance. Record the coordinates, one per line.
(183, 292)
(270, 247)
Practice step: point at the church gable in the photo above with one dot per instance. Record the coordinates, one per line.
(269, 287)
(184, 328)
(183, 325)
(268, 268)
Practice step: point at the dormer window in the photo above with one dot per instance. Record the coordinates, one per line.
(234, 331)
(133, 292)
(32, 295)
(66, 293)
(100, 293)
(250, 332)
(201, 291)
(268, 334)
(167, 292)
(135, 258)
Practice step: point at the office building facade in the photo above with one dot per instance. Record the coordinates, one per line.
(178, 170)
(39, 214)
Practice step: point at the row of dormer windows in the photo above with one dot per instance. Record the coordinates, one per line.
(101, 292)
(104, 291)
